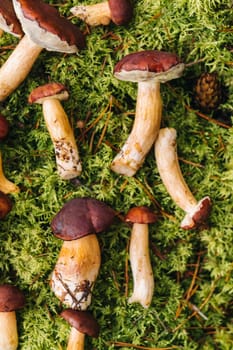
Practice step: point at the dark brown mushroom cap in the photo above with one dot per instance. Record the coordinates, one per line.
(44, 25)
(121, 11)
(50, 90)
(80, 217)
(141, 215)
(199, 216)
(5, 205)
(11, 298)
(83, 321)
(149, 64)
(8, 19)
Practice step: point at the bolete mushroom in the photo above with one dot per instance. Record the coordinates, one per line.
(11, 299)
(82, 323)
(6, 185)
(44, 28)
(169, 169)
(149, 69)
(9, 22)
(57, 122)
(5, 205)
(143, 278)
(77, 267)
(119, 12)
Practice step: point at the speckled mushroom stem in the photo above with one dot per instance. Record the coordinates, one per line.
(8, 331)
(17, 66)
(6, 185)
(144, 132)
(61, 133)
(76, 340)
(173, 180)
(93, 15)
(143, 279)
(76, 271)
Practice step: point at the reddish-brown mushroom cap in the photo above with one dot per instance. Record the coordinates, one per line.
(8, 19)
(51, 90)
(44, 25)
(83, 321)
(4, 127)
(141, 215)
(5, 205)
(80, 217)
(199, 216)
(121, 11)
(149, 64)
(11, 298)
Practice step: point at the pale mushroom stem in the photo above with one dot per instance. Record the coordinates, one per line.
(76, 340)
(143, 279)
(76, 271)
(93, 15)
(62, 135)
(172, 177)
(8, 331)
(6, 185)
(144, 132)
(17, 66)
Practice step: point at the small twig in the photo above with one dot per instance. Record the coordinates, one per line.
(206, 117)
(191, 163)
(128, 345)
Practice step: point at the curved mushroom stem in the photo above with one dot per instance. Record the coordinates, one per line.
(17, 66)
(76, 271)
(171, 175)
(93, 15)
(76, 340)
(9, 332)
(144, 132)
(6, 185)
(143, 278)
(61, 133)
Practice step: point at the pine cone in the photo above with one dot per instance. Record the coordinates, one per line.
(208, 92)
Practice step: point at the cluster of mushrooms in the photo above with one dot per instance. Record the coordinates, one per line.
(81, 219)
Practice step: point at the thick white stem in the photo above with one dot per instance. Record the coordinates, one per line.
(173, 180)
(8, 331)
(6, 185)
(76, 271)
(17, 66)
(62, 135)
(144, 132)
(76, 340)
(93, 15)
(143, 279)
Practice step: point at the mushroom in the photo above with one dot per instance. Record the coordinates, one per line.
(57, 122)
(9, 22)
(6, 185)
(119, 12)
(143, 279)
(148, 69)
(44, 28)
(11, 299)
(5, 205)
(4, 127)
(197, 212)
(77, 267)
(82, 323)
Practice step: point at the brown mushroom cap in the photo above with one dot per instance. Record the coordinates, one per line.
(5, 205)
(80, 217)
(83, 321)
(199, 215)
(4, 127)
(8, 19)
(149, 64)
(121, 11)
(51, 90)
(11, 298)
(44, 25)
(141, 215)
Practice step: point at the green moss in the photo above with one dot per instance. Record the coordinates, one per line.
(196, 30)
